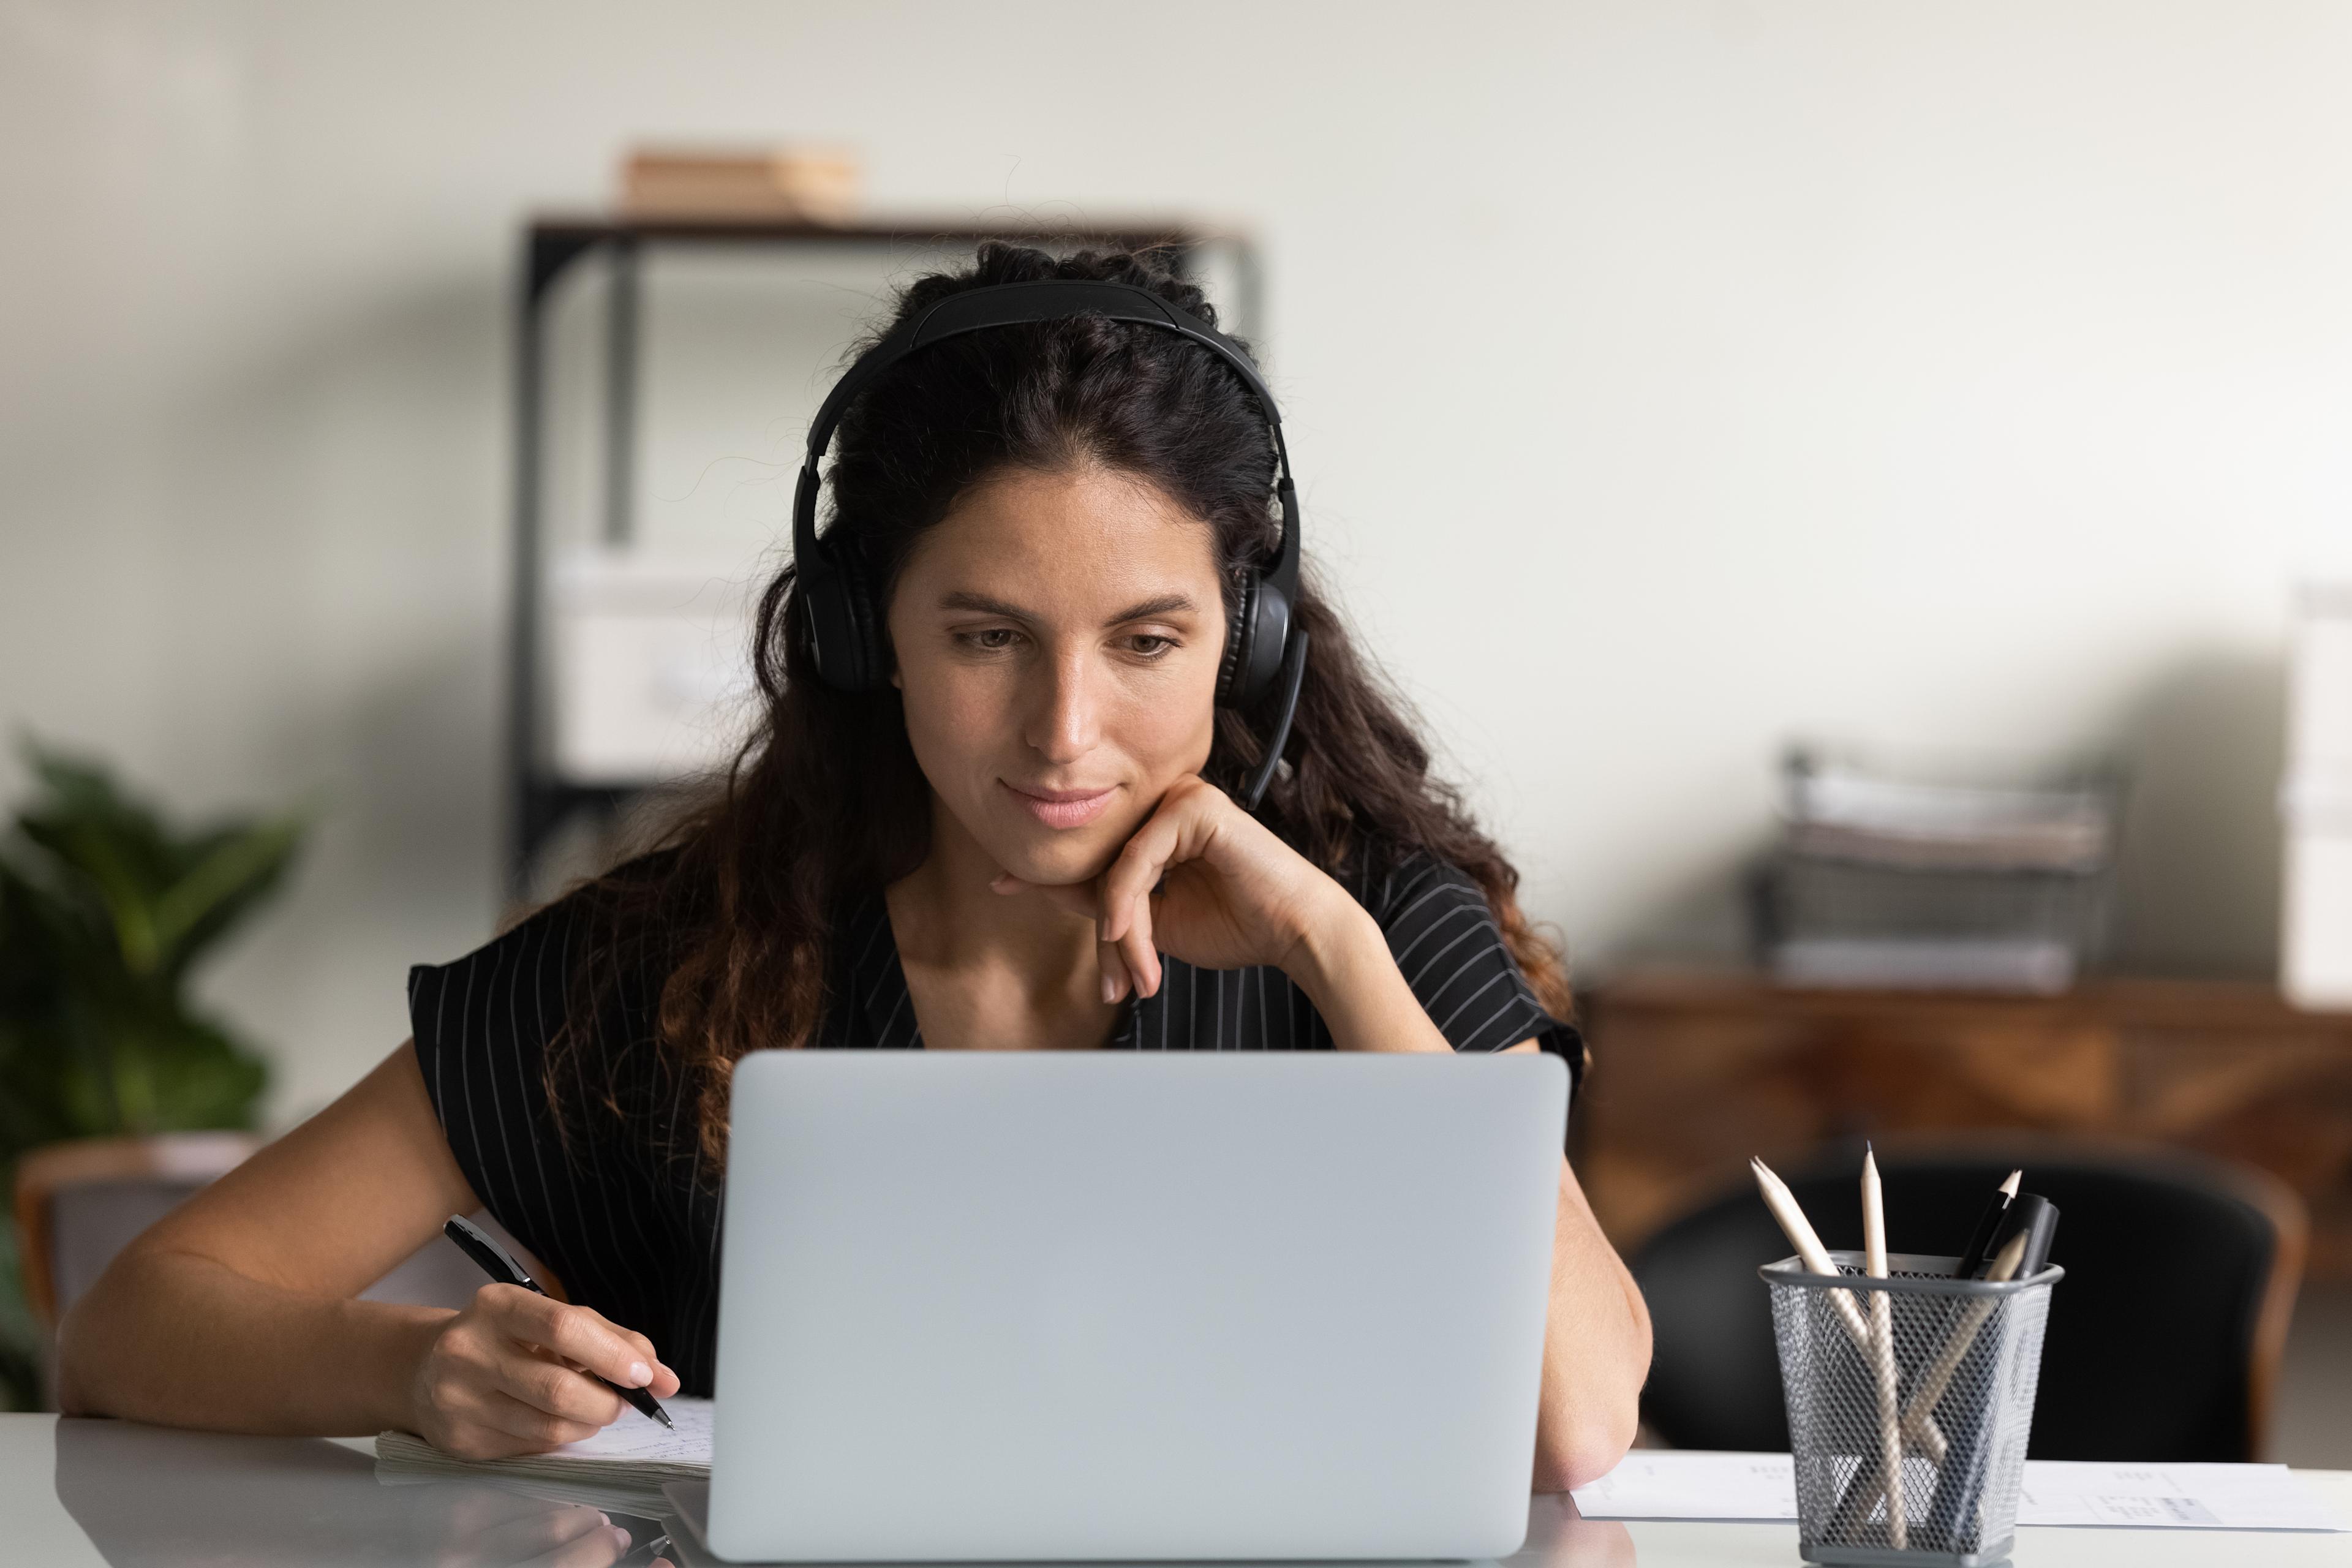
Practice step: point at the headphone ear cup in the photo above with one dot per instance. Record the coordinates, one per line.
(1232, 671)
(1269, 640)
(842, 635)
(870, 669)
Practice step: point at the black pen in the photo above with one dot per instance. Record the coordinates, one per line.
(1980, 1244)
(499, 1265)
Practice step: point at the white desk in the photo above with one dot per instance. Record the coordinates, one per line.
(108, 1494)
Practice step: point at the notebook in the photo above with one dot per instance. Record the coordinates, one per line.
(621, 1469)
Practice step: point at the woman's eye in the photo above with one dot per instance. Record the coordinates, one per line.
(995, 639)
(1151, 646)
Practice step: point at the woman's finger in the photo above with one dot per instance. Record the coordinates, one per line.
(1116, 981)
(528, 1423)
(1137, 950)
(576, 1333)
(666, 1382)
(558, 1389)
(662, 1375)
(1140, 866)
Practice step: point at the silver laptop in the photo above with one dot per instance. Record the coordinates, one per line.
(990, 1306)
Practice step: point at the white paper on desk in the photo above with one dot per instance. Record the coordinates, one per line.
(2193, 1497)
(1680, 1484)
(1677, 1483)
(636, 1440)
(627, 1462)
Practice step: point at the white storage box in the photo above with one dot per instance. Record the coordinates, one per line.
(650, 665)
(2319, 687)
(2315, 801)
(2318, 947)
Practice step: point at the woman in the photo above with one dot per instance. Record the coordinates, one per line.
(1027, 840)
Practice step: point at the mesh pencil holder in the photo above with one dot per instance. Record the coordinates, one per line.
(1918, 1377)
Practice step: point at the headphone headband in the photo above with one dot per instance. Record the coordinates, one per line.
(1017, 304)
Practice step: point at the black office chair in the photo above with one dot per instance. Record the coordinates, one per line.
(2164, 1337)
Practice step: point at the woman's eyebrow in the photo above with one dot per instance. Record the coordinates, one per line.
(1166, 605)
(981, 603)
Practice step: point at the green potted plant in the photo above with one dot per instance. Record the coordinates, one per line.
(105, 909)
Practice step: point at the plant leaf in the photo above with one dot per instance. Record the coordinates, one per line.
(237, 870)
(99, 856)
(102, 904)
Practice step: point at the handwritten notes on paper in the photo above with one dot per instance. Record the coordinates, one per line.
(622, 1466)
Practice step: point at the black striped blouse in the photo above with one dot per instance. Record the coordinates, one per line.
(632, 1229)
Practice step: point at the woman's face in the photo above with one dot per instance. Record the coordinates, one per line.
(1057, 639)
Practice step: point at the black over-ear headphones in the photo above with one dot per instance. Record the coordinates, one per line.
(1264, 651)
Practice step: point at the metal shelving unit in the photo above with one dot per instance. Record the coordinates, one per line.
(538, 800)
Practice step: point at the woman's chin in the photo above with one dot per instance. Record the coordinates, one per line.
(1054, 860)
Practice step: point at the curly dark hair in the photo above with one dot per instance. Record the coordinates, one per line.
(825, 798)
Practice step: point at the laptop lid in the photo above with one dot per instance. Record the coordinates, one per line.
(990, 1306)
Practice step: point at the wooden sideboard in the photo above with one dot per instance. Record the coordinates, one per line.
(1696, 1069)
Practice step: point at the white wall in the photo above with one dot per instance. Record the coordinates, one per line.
(1666, 379)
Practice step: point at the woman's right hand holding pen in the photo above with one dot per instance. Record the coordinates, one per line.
(510, 1374)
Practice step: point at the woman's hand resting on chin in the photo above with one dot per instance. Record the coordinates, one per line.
(1205, 881)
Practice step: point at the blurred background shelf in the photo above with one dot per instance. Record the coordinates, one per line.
(1698, 1069)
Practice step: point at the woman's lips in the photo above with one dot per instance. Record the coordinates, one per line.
(1062, 808)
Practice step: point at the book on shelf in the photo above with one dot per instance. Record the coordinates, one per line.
(814, 185)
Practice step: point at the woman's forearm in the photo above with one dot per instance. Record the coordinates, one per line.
(180, 1340)
(1343, 964)
(1596, 1351)
(1597, 1340)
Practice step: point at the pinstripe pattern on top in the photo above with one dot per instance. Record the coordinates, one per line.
(633, 1231)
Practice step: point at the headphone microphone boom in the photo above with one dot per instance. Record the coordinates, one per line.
(1264, 652)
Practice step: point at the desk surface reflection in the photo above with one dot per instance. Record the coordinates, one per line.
(83, 1494)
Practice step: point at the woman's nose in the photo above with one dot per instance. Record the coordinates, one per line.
(1064, 721)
